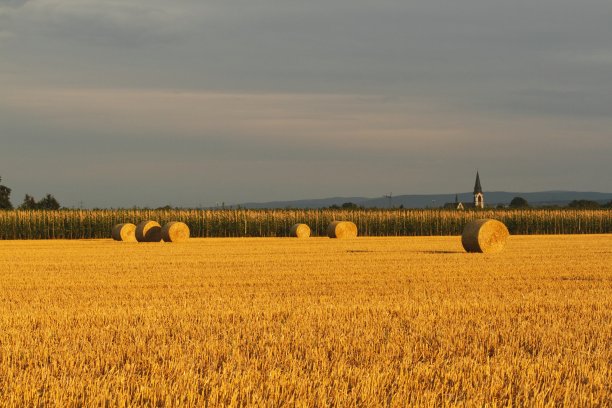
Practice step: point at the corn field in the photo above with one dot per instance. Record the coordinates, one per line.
(85, 224)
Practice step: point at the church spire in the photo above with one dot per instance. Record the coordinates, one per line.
(477, 187)
(478, 195)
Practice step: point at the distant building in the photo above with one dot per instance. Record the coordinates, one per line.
(478, 195)
(454, 206)
(478, 198)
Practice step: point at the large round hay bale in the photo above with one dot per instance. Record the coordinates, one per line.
(342, 229)
(300, 231)
(124, 232)
(485, 236)
(175, 232)
(148, 231)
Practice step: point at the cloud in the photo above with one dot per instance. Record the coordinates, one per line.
(360, 93)
(98, 22)
(340, 122)
(446, 48)
(555, 103)
(7, 7)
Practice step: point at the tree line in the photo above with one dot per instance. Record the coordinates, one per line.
(520, 202)
(48, 202)
(515, 204)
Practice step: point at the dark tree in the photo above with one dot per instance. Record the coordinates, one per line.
(5, 197)
(349, 206)
(584, 204)
(48, 203)
(609, 205)
(519, 202)
(29, 203)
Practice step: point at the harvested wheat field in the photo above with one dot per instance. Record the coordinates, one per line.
(317, 322)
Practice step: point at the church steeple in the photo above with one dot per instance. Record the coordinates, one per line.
(477, 186)
(478, 195)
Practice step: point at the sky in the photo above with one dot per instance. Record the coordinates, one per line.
(113, 103)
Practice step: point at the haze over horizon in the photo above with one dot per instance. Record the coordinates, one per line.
(192, 103)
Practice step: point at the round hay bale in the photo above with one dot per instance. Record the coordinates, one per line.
(300, 231)
(148, 231)
(175, 232)
(342, 229)
(124, 232)
(485, 236)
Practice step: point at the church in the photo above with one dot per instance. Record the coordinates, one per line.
(478, 199)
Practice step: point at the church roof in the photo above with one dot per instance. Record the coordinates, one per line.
(477, 187)
(454, 206)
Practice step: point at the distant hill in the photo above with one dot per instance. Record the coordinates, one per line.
(541, 198)
(308, 203)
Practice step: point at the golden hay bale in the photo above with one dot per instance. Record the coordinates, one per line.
(175, 232)
(486, 236)
(148, 231)
(300, 231)
(124, 232)
(342, 229)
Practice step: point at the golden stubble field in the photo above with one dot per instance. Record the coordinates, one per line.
(315, 322)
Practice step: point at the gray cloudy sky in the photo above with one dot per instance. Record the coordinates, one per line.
(193, 102)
